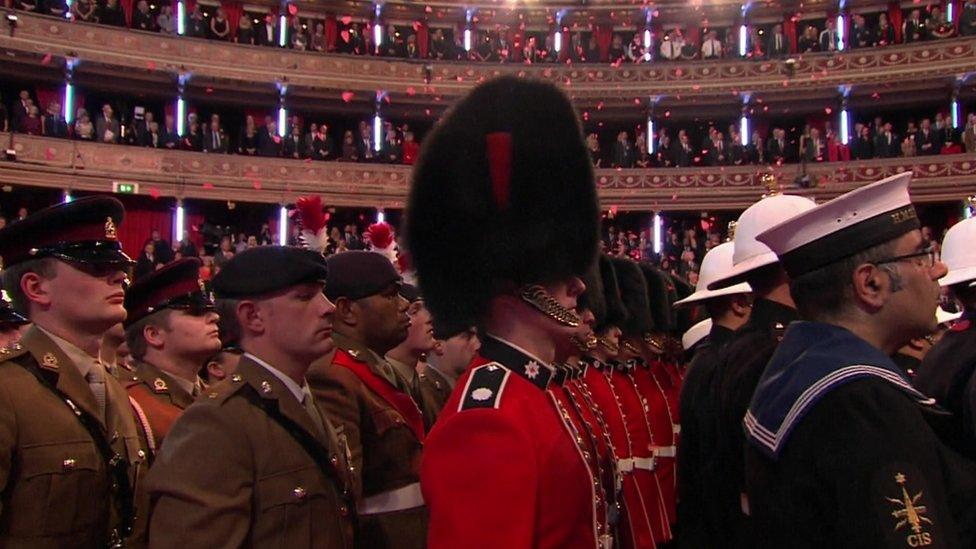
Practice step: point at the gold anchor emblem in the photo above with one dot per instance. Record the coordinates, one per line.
(911, 514)
(110, 232)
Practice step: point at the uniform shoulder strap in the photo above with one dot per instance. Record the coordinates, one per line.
(485, 386)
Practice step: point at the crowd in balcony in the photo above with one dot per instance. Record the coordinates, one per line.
(672, 146)
(599, 43)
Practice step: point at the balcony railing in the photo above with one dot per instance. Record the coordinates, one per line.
(86, 166)
(141, 51)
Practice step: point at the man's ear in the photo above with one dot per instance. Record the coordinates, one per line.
(153, 335)
(871, 284)
(215, 372)
(36, 289)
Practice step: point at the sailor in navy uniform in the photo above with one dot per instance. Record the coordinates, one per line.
(729, 309)
(947, 370)
(745, 356)
(502, 467)
(839, 450)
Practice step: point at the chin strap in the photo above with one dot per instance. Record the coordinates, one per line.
(538, 297)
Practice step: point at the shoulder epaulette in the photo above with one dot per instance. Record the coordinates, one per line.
(221, 392)
(485, 386)
(14, 351)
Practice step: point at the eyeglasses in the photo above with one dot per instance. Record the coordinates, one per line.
(925, 258)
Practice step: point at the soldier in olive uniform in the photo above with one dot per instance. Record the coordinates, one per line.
(371, 403)
(407, 356)
(452, 353)
(253, 463)
(170, 331)
(70, 456)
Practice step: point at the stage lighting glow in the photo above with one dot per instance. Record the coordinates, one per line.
(69, 100)
(180, 116)
(283, 226)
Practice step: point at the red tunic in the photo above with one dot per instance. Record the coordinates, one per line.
(644, 442)
(500, 467)
(663, 423)
(635, 526)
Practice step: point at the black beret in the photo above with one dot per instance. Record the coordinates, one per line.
(267, 269)
(409, 292)
(83, 231)
(358, 274)
(502, 196)
(633, 293)
(175, 286)
(615, 314)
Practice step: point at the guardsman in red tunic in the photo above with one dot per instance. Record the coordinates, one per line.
(171, 330)
(635, 477)
(501, 226)
(646, 410)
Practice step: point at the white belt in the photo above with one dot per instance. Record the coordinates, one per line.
(400, 499)
(627, 465)
(665, 451)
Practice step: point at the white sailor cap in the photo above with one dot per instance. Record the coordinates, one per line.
(750, 254)
(716, 264)
(696, 333)
(846, 225)
(959, 253)
(942, 316)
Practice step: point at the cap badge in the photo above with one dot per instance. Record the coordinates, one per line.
(353, 353)
(110, 232)
(265, 387)
(49, 360)
(482, 394)
(732, 226)
(159, 385)
(236, 378)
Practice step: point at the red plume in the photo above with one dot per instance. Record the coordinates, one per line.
(380, 235)
(310, 212)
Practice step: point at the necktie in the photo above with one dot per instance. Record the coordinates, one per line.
(309, 404)
(96, 381)
(778, 42)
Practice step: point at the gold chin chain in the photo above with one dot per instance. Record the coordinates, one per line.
(630, 347)
(585, 345)
(612, 348)
(655, 343)
(538, 297)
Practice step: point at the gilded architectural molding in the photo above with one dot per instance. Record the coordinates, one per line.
(220, 60)
(87, 166)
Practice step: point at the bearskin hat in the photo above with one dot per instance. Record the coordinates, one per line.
(633, 293)
(593, 299)
(658, 283)
(615, 314)
(502, 196)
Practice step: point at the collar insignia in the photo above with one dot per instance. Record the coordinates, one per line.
(532, 369)
(266, 387)
(159, 385)
(49, 360)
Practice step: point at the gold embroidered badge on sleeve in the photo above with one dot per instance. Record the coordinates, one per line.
(911, 513)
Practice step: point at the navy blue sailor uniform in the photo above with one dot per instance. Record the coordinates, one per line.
(840, 454)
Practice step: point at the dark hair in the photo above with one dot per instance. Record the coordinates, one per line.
(12, 275)
(827, 292)
(965, 293)
(133, 334)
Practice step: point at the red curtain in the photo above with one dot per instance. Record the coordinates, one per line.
(895, 19)
(604, 36)
(141, 221)
(233, 11)
(789, 30)
(331, 32)
(46, 95)
(258, 115)
(956, 13)
(693, 34)
(127, 10)
(423, 38)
